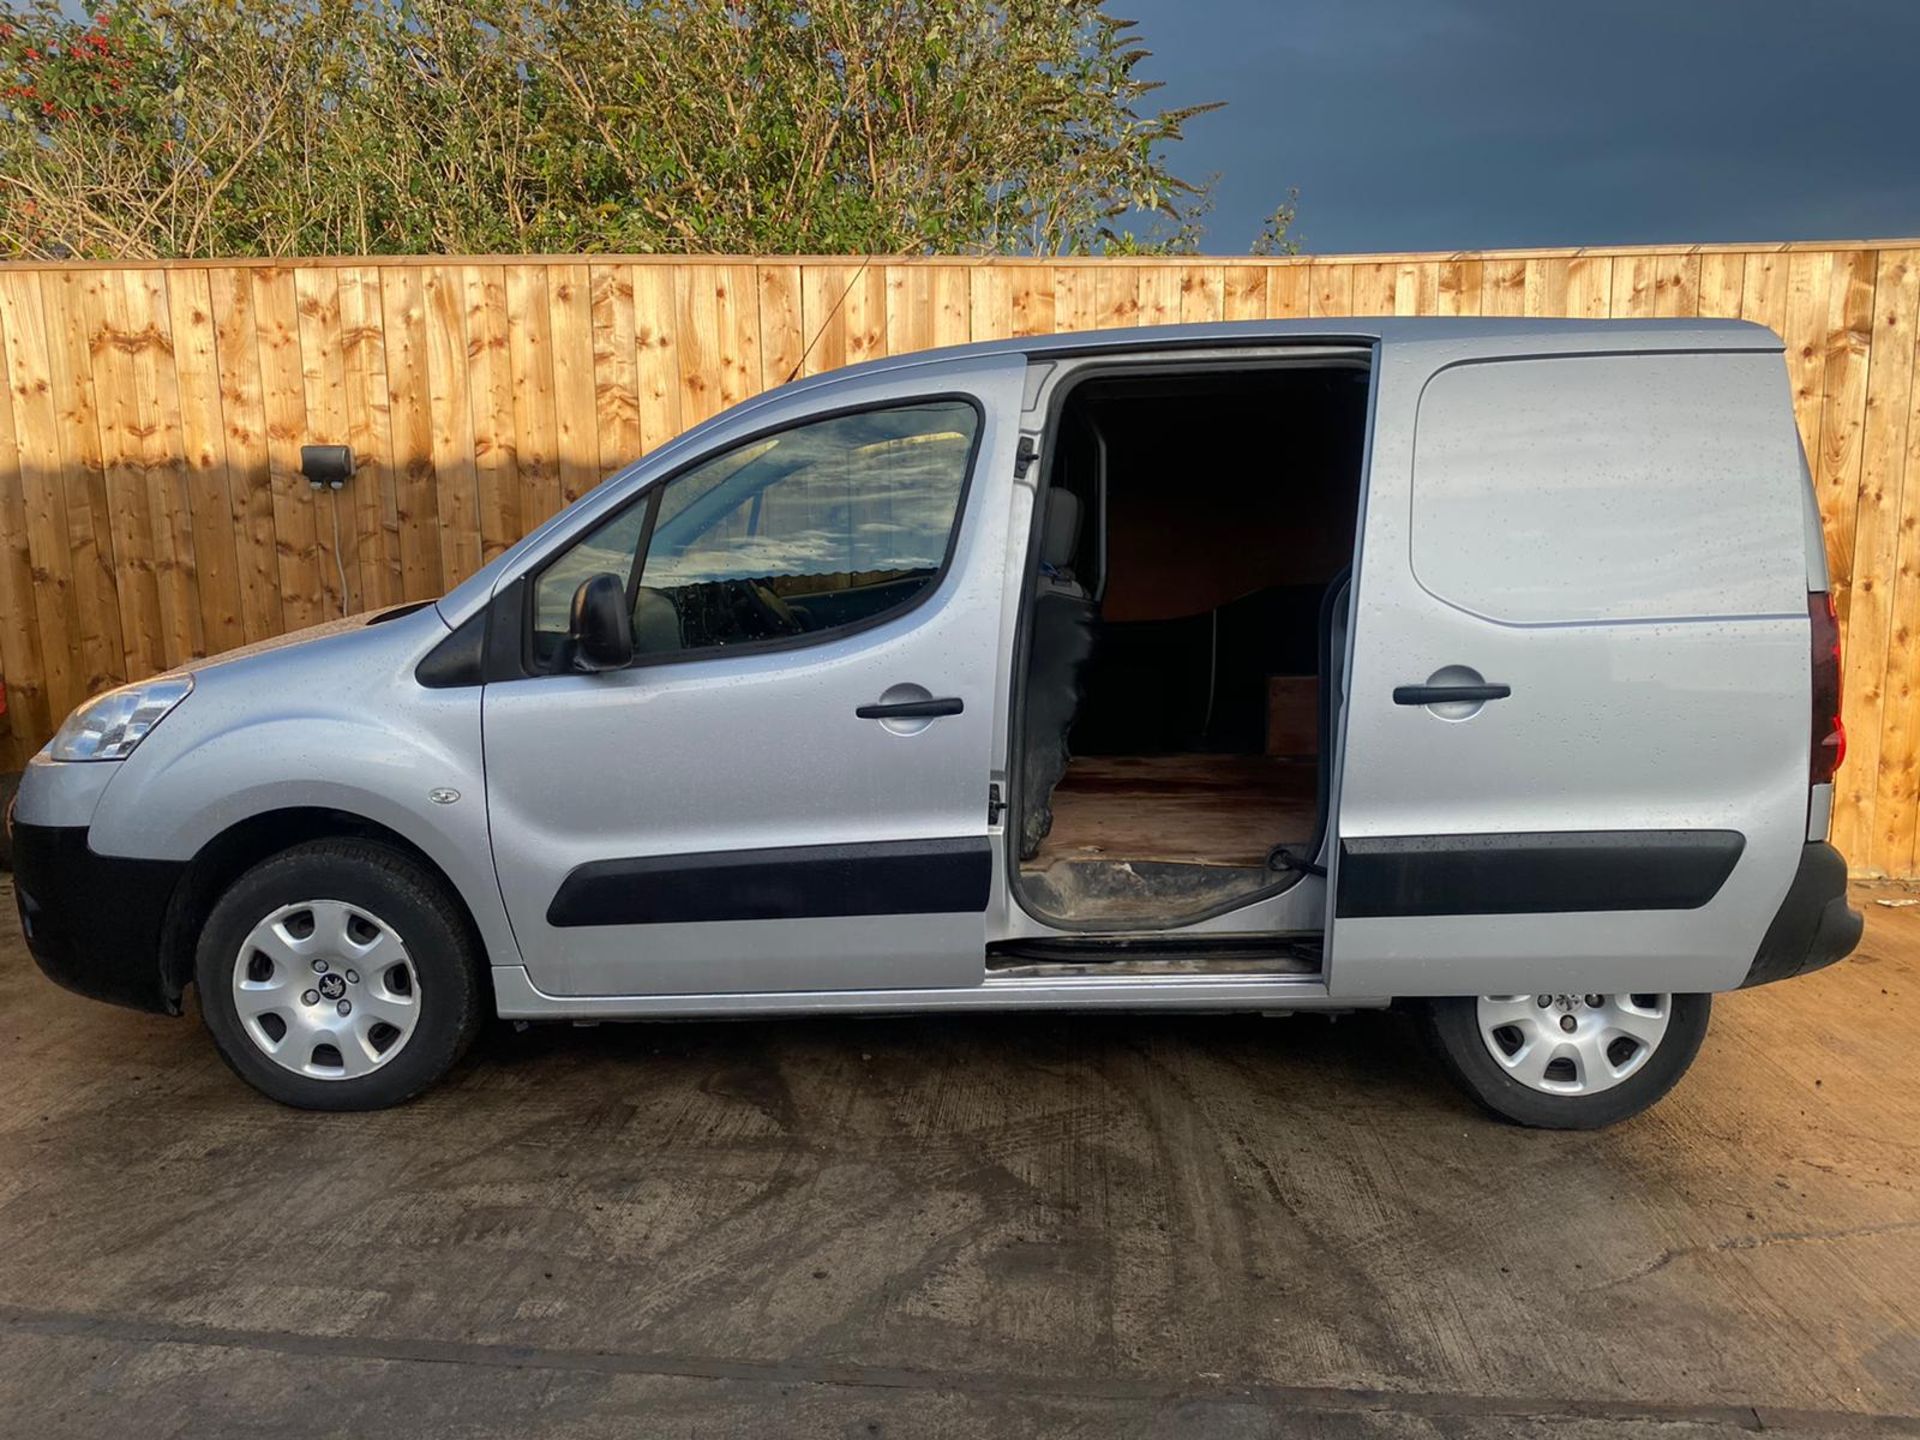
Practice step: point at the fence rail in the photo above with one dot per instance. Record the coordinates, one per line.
(151, 510)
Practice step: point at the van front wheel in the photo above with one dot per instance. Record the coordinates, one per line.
(339, 975)
(1568, 1062)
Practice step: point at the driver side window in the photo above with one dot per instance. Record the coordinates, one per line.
(830, 524)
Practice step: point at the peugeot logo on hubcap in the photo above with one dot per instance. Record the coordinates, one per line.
(333, 986)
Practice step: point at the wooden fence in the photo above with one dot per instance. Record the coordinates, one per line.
(150, 508)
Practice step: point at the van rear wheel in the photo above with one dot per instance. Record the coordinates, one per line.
(1568, 1062)
(339, 975)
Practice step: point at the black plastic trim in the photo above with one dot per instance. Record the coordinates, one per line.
(458, 660)
(801, 882)
(1448, 694)
(1534, 874)
(1814, 925)
(92, 922)
(911, 709)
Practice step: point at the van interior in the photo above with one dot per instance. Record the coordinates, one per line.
(1184, 629)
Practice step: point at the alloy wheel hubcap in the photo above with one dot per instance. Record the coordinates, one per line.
(1572, 1044)
(326, 989)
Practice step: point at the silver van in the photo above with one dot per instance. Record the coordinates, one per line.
(1486, 666)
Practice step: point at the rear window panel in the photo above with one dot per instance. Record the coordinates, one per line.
(1597, 488)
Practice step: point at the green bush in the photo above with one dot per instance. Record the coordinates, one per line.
(284, 127)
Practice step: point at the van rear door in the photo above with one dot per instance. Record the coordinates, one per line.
(1575, 754)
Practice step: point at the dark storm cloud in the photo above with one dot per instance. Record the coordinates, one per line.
(1442, 124)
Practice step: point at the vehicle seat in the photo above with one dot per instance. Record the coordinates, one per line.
(1062, 639)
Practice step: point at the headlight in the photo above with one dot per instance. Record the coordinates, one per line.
(108, 726)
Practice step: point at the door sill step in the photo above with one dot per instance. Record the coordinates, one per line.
(1253, 957)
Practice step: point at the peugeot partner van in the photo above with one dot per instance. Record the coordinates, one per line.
(1486, 666)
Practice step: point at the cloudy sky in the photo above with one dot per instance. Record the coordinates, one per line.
(1444, 124)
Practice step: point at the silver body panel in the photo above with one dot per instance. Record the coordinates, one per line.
(750, 752)
(1667, 716)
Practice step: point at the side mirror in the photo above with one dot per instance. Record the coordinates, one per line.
(599, 625)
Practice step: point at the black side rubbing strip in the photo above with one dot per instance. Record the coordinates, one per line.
(802, 882)
(1534, 874)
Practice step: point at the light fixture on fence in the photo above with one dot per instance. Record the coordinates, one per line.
(327, 467)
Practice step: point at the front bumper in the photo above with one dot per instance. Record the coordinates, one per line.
(93, 922)
(1814, 925)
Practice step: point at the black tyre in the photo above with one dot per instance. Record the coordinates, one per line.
(1568, 1062)
(339, 975)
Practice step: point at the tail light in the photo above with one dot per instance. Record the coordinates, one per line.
(1829, 734)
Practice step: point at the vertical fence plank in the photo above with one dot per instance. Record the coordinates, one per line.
(323, 376)
(1033, 300)
(450, 409)
(1875, 548)
(1330, 289)
(1243, 292)
(1373, 287)
(1503, 287)
(1590, 286)
(66, 658)
(21, 667)
(909, 308)
(737, 312)
(100, 343)
(1116, 297)
(1075, 299)
(570, 315)
(1159, 294)
(1763, 292)
(374, 502)
(952, 321)
(1635, 287)
(617, 350)
(989, 302)
(1836, 466)
(1892, 847)
(1722, 277)
(645, 313)
(698, 357)
(72, 317)
(1804, 327)
(823, 319)
(1202, 294)
(403, 303)
(1460, 284)
(1676, 286)
(1548, 287)
(536, 423)
(203, 448)
(491, 381)
(863, 312)
(243, 418)
(149, 340)
(781, 337)
(308, 590)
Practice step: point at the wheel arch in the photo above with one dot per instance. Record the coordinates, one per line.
(226, 856)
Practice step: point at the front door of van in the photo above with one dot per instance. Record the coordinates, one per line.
(787, 789)
(1576, 742)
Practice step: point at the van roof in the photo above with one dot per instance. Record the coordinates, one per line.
(1496, 335)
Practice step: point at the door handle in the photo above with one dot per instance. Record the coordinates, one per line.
(911, 709)
(1444, 694)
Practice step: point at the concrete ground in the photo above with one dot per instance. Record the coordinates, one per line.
(984, 1225)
